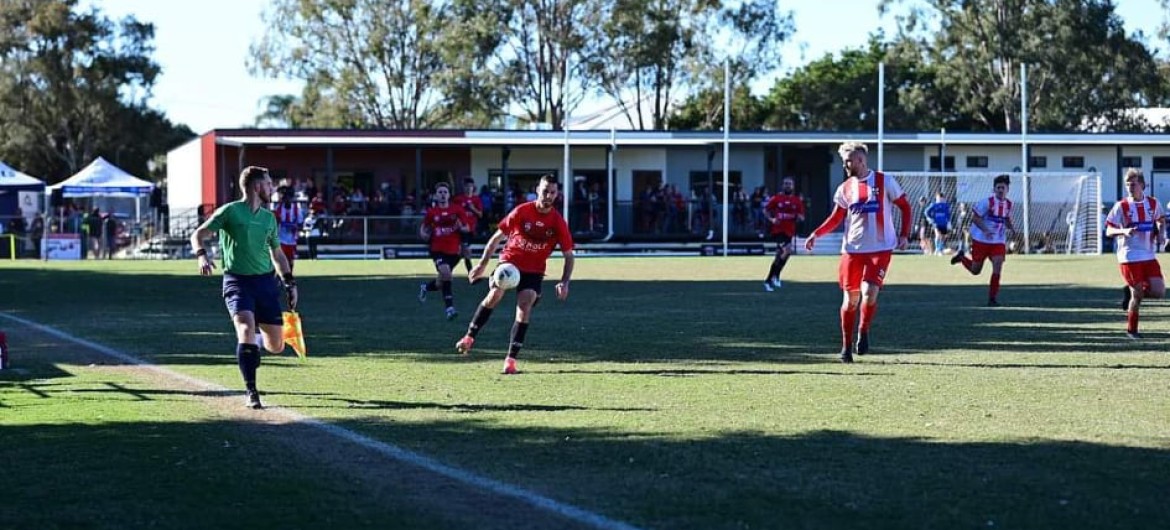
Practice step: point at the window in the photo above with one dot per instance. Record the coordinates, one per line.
(699, 182)
(976, 161)
(1037, 162)
(1161, 163)
(1131, 161)
(1072, 161)
(950, 161)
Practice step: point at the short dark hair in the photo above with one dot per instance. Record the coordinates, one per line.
(442, 185)
(251, 175)
(1002, 178)
(549, 178)
(468, 180)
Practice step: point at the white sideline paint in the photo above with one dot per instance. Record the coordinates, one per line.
(397, 453)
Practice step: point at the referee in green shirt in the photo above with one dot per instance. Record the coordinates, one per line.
(247, 234)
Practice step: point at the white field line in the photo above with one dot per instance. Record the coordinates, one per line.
(393, 451)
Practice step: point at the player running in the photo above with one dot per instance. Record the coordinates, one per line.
(990, 222)
(473, 211)
(865, 202)
(533, 229)
(443, 226)
(1136, 223)
(290, 218)
(783, 211)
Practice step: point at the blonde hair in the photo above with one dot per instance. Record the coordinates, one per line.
(1134, 173)
(251, 175)
(848, 148)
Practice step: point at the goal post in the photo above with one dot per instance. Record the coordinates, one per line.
(1053, 212)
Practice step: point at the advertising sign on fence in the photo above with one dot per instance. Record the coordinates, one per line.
(61, 246)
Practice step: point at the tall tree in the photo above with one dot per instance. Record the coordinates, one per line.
(376, 63)
(546, 50)
(1081, 64)
(68, 81)
(840, 92)
(647, 54)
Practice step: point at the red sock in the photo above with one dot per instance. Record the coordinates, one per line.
(848, 318)
(1133, 321)
(994, 291)
(867, 313)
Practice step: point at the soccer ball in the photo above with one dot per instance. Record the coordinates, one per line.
(506, 276)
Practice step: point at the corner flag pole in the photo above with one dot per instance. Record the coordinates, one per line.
(1024, 155)
(726, 146)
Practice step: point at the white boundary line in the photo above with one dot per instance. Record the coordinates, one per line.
(393, 451)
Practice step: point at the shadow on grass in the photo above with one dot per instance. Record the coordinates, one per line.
(822, 479)
(181, 320)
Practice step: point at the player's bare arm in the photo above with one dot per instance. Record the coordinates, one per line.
(205, 263)
(977, 220)
(489, 250)
(566, 275)
(1114, 231)
(904, 235)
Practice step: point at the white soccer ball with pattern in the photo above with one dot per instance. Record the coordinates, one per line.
(506, 276)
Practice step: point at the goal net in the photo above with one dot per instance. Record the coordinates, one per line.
(1055, 212)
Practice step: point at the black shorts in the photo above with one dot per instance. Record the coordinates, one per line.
(782, 239)
(943, 229)
(257, 293)
(451, 260)
(530, 281)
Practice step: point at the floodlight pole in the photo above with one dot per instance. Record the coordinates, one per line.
(881, 128)
(1024, 155)
(726, 146)
(568, 186)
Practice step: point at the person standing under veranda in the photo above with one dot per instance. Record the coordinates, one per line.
(782, 211)
(990, 221)
(865, 201)
(1136, 223)
(251, 254)
(532, 229)
(444, 227)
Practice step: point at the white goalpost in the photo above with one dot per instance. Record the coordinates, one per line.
(1053, 212)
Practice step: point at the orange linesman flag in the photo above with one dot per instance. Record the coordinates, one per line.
(292, 333)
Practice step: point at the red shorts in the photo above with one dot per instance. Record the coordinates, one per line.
(1139, 273)
(870, 267)
(981, 251)
(290, 252)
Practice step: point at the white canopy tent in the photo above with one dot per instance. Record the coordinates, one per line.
(103, 179)
(15, 186)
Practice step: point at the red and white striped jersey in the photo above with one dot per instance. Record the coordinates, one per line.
(289, 220)
(1142, 215)
(995, 214)
(869, 201)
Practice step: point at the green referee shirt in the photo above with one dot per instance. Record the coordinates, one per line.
(246, 237)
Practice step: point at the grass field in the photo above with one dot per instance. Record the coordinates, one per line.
(666, 393)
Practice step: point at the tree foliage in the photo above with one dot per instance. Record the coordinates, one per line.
(373, 63)
(650, 54)
(73, 86)
(1081, 64)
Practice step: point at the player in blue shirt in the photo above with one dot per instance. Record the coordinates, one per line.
(939, 214)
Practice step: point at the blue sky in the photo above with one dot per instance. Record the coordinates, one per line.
(202, 47)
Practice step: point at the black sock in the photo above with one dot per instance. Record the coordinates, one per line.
(432, 285)
(248, 357)
(482, 314)
(448, 298)
(773, 270)
(780, 263)
(467, 263)
(519, 330)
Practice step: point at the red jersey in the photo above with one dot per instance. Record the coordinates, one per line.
(466, 201)
(532, 236)
(444, 226)
(785, 209)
